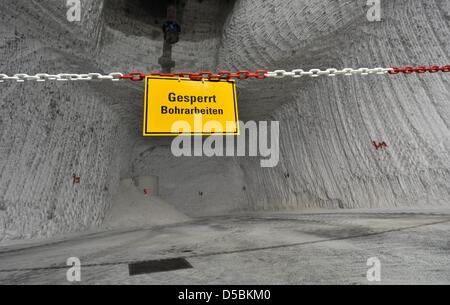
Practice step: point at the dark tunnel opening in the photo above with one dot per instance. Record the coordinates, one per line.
(154, 8)
(146, 17)
(148, 11)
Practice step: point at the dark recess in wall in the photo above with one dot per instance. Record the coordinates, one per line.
(125, 14)
(145, 17)
(153, 8)
(147, 11)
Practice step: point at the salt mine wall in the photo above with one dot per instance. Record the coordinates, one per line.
(328, 124)
(197, 186)
(45, 141)
(50, 131)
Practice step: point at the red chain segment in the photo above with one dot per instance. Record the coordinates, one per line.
(223, 75)
(419, 69)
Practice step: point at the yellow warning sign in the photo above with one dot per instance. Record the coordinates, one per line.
(175, 106)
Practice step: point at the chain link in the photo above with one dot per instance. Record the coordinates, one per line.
(259, 74)
(419, 69)
(42, 77)
(297, 73)
(224, 75)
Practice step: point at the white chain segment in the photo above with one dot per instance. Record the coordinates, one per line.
(42, 77)
(117, 76)
(297, 73)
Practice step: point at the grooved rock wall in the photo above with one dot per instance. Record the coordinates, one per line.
(50, 131)
(44, 141)
(328, 124)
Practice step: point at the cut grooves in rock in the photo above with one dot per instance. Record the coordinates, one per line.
(48, 132)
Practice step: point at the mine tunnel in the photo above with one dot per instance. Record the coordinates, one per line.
(93, 131)
(73, 158)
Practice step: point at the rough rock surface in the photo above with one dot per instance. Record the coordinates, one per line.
(50, 131)
(132, 208)
(328, 124)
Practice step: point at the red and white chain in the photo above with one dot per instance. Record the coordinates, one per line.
(226, 75)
